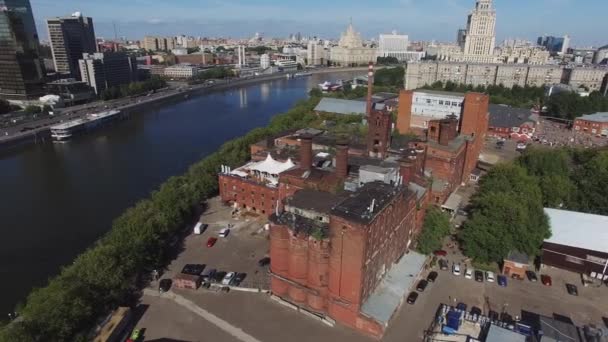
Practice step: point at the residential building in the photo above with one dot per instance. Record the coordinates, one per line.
(481, 32)
(513, 123)
(394, 45)
(21, 68)
(593, 124)
(71, 91)
(583, 56)
(592, 78)
(351, 50)
(316, 53)
(70, 38)
(582, 250)
(265, 61)
(109, 69)
(181, 71)
(150, 43)
(419, 74)
(523, 55)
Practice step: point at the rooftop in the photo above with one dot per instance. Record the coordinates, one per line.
(590, 232)
(440, 92)
(341, 106)
(299, 224)
(518, 257)
(453, 146)
(358, 206)
(597, 117)
(498, 334)
(318, 201)
(505, 116)
(387, 296)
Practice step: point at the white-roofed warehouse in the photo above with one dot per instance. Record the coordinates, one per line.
(578, 242)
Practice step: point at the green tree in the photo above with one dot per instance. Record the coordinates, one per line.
(507, 214)
(390, 77)
(436, 227)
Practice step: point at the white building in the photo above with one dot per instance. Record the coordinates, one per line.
(181, 71)
(351, 50)
(287, 64)
(265, 61)
(179, 51)
(394, 45)
(316, 53)
(433, 105)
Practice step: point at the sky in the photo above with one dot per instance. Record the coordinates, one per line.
(420, 19)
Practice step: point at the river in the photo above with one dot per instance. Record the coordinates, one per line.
(57, 199)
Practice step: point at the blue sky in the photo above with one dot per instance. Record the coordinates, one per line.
(421, 19)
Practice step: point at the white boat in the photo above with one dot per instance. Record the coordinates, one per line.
(328, 86)
(66, 130)
(303, 74)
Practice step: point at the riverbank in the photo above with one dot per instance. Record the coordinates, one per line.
(40, 132)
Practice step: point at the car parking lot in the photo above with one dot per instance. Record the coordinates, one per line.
(588, 307)
(239, 251)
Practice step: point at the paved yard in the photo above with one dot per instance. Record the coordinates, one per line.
(239, 252)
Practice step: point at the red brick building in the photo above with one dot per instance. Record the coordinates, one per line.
(594, 124)
(511, 123)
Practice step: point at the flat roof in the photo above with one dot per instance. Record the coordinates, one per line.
(498, 334)
(357, 207)
(453, 202)
(341, 106)
(506, 116)
(597, 117)
(574, 229)
(440, 92)
(318, 201)
(388, 295)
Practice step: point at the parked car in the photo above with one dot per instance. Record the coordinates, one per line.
(211, 242)
(265, 261)
(208, 275)
(422, 285)
(440, 252)
(193, 269)
(572, 290)
(238, 279)
(531, 276)
(476, 311)
(468, 273)
(432, 277)
(479, 276)
(411, 299)
(165, 285)
(490, 277)
(443, 265)
(218, 276)
(224, 232)
(502, 280)
(461, 306)
(456, 269)
(546, 280)
(228, 278)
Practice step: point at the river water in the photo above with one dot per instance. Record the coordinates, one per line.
(57, 199)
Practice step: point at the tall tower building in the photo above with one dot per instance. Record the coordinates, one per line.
(21, 68)
(70, 38)
(481, 30)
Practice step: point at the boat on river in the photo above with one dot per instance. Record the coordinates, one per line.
(65, 131)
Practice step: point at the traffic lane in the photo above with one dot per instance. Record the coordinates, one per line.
(164, 319)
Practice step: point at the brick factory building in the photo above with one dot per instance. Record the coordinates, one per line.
(344, 214)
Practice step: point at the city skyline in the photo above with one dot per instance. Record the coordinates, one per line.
(418, 19)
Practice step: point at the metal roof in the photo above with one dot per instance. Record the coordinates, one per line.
(441, 92)
(597, 117)
(505, 116)
(341, 106)
(574, 229)
(498, 334)
(453, 202)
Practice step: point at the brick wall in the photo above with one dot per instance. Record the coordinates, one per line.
(248, 195)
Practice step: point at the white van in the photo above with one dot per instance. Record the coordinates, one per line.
(224, 232)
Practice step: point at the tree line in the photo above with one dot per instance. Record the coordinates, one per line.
(564, 105)
(507, 212)
(134, 88)
(112, 271)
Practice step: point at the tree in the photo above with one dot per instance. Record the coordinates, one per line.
(390, 77)
(436, 227)
(387, 61)
(507, 214)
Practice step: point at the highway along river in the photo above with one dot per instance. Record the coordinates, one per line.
(57, 199)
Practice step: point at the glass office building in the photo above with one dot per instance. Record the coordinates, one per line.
(21, 68)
